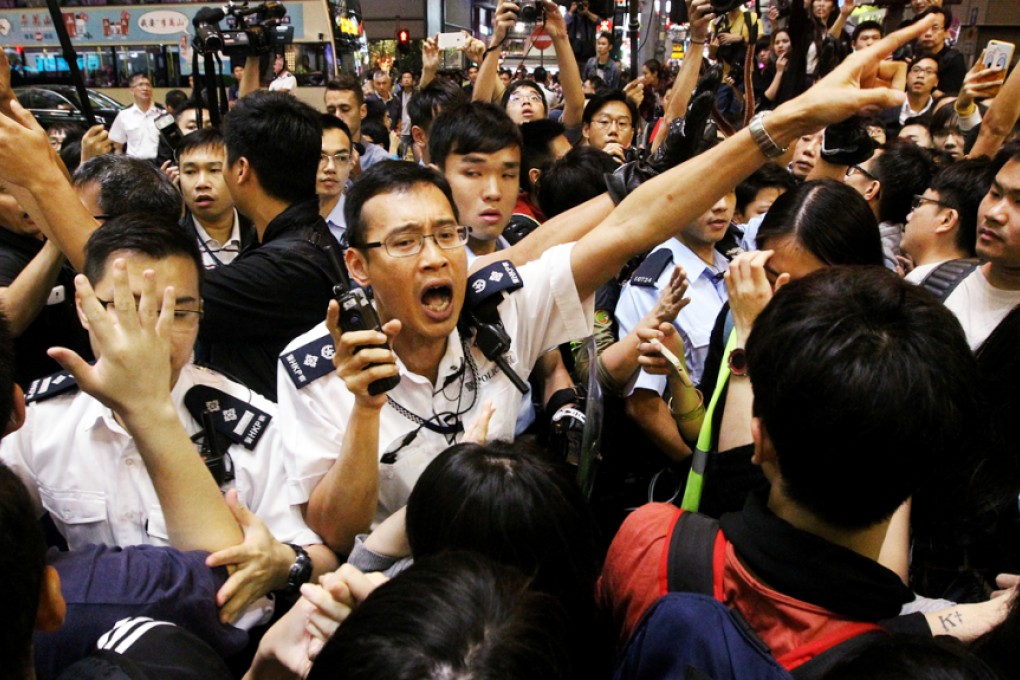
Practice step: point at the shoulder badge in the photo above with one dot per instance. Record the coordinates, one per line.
(50, 386)
(234, 418)
(651, 269)
(311, 361)
(496, 278)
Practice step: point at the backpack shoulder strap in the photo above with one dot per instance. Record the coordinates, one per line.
(944, 279)
(694, 558)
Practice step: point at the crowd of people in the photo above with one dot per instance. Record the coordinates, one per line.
(702, 373)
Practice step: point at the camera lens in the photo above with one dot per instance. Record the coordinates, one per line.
(724, 5)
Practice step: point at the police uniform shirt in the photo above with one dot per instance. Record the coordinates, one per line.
(542, 314)
(137, 129)
(707, 291)
(82, 468)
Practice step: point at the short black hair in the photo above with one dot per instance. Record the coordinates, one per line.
(149, 235)
(376, 131)
(201, 138)
(962, 186)
(455, 615)
(947, 15)
(865, 26)
(428, 102)
(386, 177)
(536, 150)
(281, 137)
(175, 99)
(904, 169)
(347, 83)
(22, 562)
(478, 127)
(573, 179)
(188, 105)
(508, 502)
(865, 385)
(136, 75)
(600, 99)
(128, 184)
(518, 84)
(608, 36)
(333, 123)
(767, 176)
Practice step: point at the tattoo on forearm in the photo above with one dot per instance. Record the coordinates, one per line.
(951, 620)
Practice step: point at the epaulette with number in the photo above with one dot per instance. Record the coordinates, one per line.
(310, 361)
(651, 269)
(50, 386)
(234, 418)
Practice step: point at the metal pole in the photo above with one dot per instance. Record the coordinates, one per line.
(72, 60)
(633, 27)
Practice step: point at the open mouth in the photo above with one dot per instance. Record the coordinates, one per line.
(203, 200)
(437, 300)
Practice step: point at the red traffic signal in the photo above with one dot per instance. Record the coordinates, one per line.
(403, 36)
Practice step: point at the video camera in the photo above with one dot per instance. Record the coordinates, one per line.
(257, 29)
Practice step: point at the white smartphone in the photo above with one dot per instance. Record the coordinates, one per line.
(452, 41)
(998, 54)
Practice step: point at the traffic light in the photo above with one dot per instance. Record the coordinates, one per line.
(403, 40)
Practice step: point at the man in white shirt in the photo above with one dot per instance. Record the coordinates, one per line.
(334, 169)
(987, 295)
(211, 217)
(134, 130)
(942, 225)
(692, 249)
(80, 464)
(284, 80)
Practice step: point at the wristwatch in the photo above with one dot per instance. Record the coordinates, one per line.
(738, 361)
(762, 138)
(301, 570)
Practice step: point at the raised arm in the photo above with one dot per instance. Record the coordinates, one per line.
(343, 503)
(1000, 118)
(487, 82)
(649, 215)
(24, 297)
(570, 74)
(700, 12)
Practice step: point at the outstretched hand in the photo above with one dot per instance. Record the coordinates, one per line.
(853, 87)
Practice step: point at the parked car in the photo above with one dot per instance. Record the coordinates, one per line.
(60, 104)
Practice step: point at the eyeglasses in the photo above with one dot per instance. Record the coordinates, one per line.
(140, 85)
(521, 97)
(408, 243)
(340, 158)
(920, 200)
(621, 123)
(926, 71)
(856, 169)
(184, 319)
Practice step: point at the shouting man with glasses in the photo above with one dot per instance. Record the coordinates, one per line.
(135, 126)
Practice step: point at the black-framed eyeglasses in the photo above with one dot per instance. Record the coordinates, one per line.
(408, 243)
(855, 169)
(920, 200)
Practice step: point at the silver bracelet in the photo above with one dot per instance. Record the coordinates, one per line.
(762, 138)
